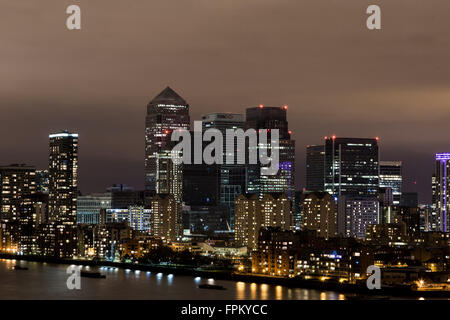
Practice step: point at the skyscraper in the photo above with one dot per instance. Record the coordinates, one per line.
(351, 166)
(232, 176)
(165, 113)
(17, 188)
(62, 200)
(315, 168)
(63, 177)
(352, 177)
(391, 177)
(441, 191)
(268, 118)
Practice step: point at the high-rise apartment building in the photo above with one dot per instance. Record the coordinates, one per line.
(63, 177)
(252, 214)
(165, 113)
(63, 192)
(319, 213)
(17, 189)
(165, 218)
(391, 177)
(356, 214)
(315, 168)
(441, 191)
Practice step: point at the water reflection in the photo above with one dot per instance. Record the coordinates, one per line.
(49, 282)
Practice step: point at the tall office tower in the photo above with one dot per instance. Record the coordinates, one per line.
(42, 181)
(17, 189)
(315, 168)
(90, 206)
(356, 214)
(252, 214)
(269, 118)
(441, 191)
(351, 166)
(319, 214)
(232, 176)
(165, 113)
(165, 218)
(391, 177)
(63, 191)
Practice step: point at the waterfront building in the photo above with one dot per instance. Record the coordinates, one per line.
(17, 191)
(165, 218)
(63, 191)
(252, 214)
(319, 213)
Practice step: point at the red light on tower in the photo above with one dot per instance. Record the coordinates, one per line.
(290, 131)
(333, 137)
(285, 107)
(376, 138)
(325, 138)
(261, 106)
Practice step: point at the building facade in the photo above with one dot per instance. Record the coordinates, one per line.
(17, 212)
(391, 177)
(315, 168)
(270, 118)
(165, 113)
(63, 192)
(319, 213)
(253, 213)
(441, 191)
(351, 166)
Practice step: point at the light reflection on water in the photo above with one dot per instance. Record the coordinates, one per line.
(48, 281)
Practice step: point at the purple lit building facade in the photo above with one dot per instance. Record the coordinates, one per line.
(441, 192)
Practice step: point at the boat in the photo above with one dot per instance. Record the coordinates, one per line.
(89, 274)
(211, 286)
(17, 267)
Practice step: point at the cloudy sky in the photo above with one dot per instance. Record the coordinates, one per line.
(224, 55)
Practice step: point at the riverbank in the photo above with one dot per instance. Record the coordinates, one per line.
(358, 291)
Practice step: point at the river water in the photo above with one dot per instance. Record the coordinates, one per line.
(48, 281)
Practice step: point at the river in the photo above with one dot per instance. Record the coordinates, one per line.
(48, 281)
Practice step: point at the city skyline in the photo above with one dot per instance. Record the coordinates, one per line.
(343, 80)
(303, 151)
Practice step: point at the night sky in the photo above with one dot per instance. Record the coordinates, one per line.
(224, 55)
